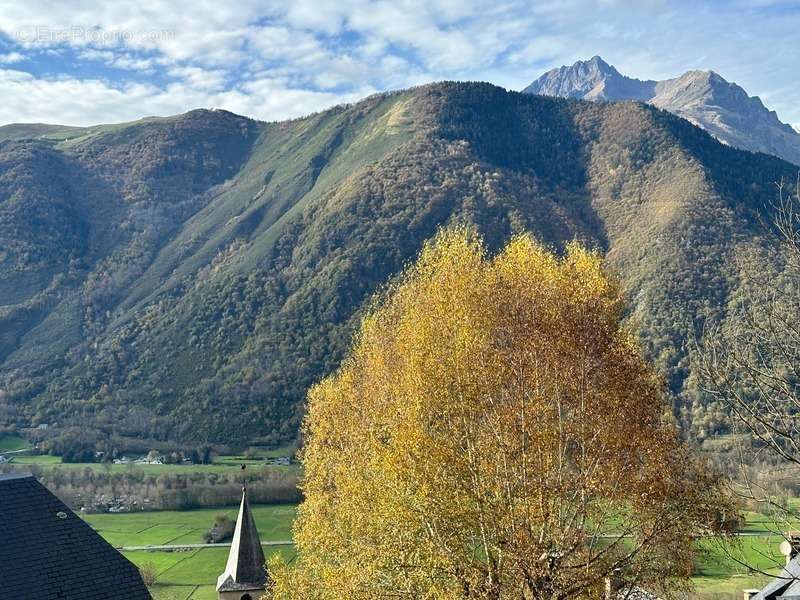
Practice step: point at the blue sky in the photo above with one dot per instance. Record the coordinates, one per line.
(84, 62)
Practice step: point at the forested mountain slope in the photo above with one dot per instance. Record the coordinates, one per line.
(189, 278)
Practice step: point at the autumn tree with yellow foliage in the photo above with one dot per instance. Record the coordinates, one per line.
(494, 433)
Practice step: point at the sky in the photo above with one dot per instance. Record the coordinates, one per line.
(87, 62)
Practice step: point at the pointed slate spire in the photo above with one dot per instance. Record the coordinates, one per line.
(245, 570)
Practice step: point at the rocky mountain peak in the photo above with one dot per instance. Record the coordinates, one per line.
(704, 97)
(592, 79)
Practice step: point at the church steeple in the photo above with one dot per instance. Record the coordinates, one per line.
(245, 575)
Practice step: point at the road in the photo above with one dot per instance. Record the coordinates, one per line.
(171, 547)
(176, 547)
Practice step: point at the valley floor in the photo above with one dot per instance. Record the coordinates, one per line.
(185, 574)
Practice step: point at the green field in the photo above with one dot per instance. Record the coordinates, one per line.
(184, 574)
(274, 523)
(12, 442)
(722, 572)
(221, 464)
(191, 574)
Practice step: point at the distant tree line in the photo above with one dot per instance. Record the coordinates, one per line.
(85, 445)
(95, 490)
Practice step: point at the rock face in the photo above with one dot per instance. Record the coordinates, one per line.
(703, 97)
(592, 79)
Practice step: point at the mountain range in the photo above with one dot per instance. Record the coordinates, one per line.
(706, 99)
(188, 278)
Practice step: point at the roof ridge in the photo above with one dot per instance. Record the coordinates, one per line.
(14, 475)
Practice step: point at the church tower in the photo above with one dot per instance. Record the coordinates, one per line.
(245, 575)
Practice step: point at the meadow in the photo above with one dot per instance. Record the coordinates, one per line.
(723, 571)
(165, 527)
(720, 573)
(191, 574)
(221, 464)
(9, 443)
(181, 574)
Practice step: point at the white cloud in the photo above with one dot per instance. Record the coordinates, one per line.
(121, 60)
(11, 57)
(273, 58)
(72, 101)
(207, 80)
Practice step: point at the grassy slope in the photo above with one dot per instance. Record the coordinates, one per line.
(21, 131)
(12, 442)
(288, 166)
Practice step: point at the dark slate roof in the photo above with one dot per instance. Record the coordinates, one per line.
(48, 552)
(785, 586)
(245, 569)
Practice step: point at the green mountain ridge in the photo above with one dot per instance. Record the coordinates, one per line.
(188, 278)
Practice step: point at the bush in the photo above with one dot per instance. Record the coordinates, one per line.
(221, 531)
(148, 573)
